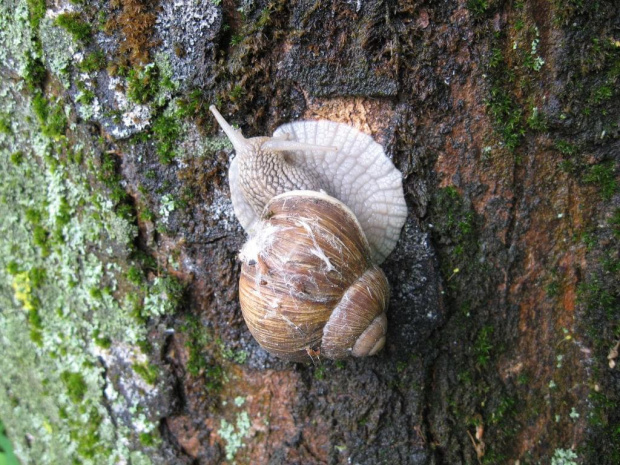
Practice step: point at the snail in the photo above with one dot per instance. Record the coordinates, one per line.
(322, 206)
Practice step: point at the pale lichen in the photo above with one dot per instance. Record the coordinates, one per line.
(59, 50)
(234, 435)
(66, 320)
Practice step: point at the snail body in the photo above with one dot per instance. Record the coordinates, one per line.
(322, 206)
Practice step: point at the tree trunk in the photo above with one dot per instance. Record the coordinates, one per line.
(122, 336)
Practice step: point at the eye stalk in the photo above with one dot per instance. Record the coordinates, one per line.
(234, 136)
(273, 144)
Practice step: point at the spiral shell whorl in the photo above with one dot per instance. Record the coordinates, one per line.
(358, 324)
(307, 277)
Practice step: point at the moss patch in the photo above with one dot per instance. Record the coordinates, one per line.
(599, 298)
(36, 12)
(94, 61)
(202, 363)
(143, 83)
(166, 131)
(76, 26)
(76, 386)
(603, 175)
(135, 21)
(468, 279)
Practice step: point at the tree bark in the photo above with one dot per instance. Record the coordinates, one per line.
(121, 328)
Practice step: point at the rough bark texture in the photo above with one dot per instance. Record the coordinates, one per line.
(122, 337)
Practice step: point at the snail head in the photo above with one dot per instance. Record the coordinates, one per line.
(245, 147)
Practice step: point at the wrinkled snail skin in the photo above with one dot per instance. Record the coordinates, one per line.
(264, 171)
(265, 174)
(322, 205)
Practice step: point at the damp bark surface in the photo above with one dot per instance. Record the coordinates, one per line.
(124, 338)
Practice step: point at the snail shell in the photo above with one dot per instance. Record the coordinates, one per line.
(308, 285)
(322, 205)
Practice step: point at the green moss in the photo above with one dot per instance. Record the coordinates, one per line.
(532, 60)
(87, 436)
(454, 225)
(599, 300)
(36, 12)
(536, 120)
(34, 73)
(507, 116)
(147, 372)
(5, 124)
(566, 148)
(496, 60)
(56, 123)
(36, 336)
(135, 275)
(107, 173)
(147, 214)
(602, 93)
(75, 384)
(37, 276)
(86, 95)
(553, 289)
(236, 39)
(17, 158)
(195, 104)
(483, 346)
(478, 7)
(34, 215)
(104, 342)
(96, 293)
(237, 356)
(12, 268)
(236, 92)
(596, 295)
(143, 83)
(468, 284)
(603, 176)
(75, 25)
(511, 68)
(39, 106)
(51, 116)
(603, 419)
(62, 219)
(109, 176)
(504, 408)
(34, 318)
(93, 62)
(166, 131)
(148, 439)
(201, 362)
(39, 236)
(197, 340)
